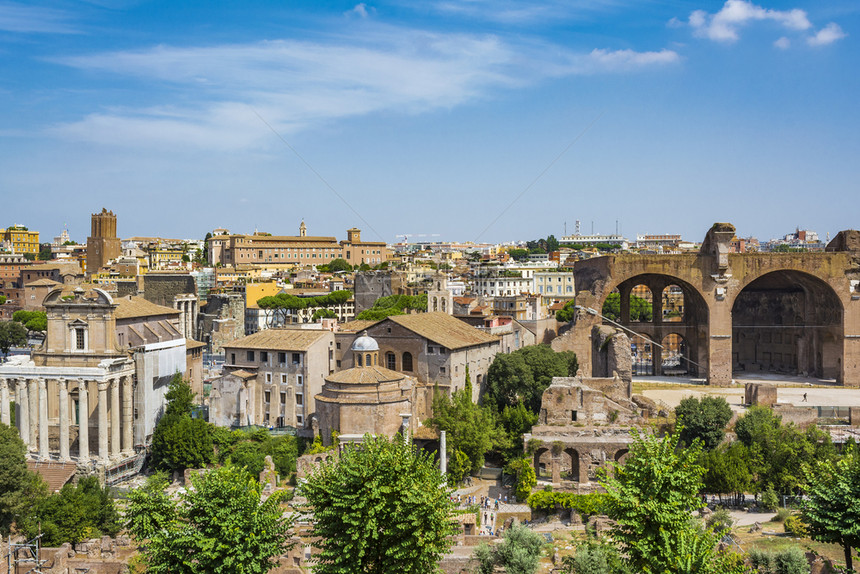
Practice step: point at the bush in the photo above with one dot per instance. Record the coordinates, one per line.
(791, 560)
(795, 526)
(584, 504)
(721, 521)
(781, 515)
(769, 500)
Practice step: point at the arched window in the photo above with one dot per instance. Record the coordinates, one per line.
(444, 305)
(435, 304)
(368, 360)
(359, 359)
(407, 361)
(390, 361)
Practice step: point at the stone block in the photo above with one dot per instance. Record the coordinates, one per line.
(854, 416)
(761, 394)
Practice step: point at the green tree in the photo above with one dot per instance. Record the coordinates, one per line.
(831, 508)
(2, 299)
(517, 421)
(20, 489)
(523, 376)
(179, 441)
(471, 429)
(777, 452)
(612, 307)
(12, 334)
(519, 552)
(250, 449)
(32, 320)
(704, 418)
(339, 265)
(221, 525)
(149, 508)
(640, 309)
(76, 513)
(551, 244)
(728, 470)
(518, 254)
(650, 498)
(380, 507)
(566, 313)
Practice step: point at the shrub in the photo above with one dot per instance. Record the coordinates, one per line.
(769, 500)
(791, 560)
(584, 504)
(795, 526)
(781, 515)
(762, 560)
(721, 521)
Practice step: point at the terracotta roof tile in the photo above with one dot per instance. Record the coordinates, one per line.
(279, 340)
(444, 329)
(365, 376)
(134, 307)
(356, 326)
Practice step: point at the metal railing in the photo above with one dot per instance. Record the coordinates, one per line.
(124, 469)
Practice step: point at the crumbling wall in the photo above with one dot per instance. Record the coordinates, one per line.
(611, 353)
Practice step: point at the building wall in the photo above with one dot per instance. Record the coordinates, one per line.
(155, 366)
(280, 379)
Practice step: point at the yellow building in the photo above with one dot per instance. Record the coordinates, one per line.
(20, 239)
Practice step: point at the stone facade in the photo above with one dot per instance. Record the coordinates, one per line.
(369, 398)
(103, 243)
(760, 394)
(722, 292)
(222, 320)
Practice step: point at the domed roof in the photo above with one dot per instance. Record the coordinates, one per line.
(365, 343)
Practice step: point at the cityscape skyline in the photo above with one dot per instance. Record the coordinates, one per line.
(462, 119)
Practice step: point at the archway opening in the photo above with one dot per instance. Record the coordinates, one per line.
(542, 463)
(788, 322)
(641, 304)
(571, 461)
(672, 304)
(675, 355)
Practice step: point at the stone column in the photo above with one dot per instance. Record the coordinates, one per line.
(657, 302)
(23, 411)
(103, 421)
(83, 423)
(195, 309)
(5, 415)
(243, 406)
(33, 393)
(43, 419)
(556, 469)
(127, 416)
(443, 453)
(624, 302)
(64, 419)
(114, 417)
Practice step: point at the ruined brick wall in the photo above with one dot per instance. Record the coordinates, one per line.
(161, 289)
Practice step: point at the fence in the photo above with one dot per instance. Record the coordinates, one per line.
(124, 469)
(832, 412)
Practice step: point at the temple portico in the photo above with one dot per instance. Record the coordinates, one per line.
(59, 410)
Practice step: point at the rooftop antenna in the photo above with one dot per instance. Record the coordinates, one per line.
(565, 227)
(592, 227)
(577, 228)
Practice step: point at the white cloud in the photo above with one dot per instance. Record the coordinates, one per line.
(21, 18)
(297, 84)
(723, 25)
(627, 59)
(827, 35)
(360, 10)
(783, 43)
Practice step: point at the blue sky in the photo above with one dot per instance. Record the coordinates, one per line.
(464, 120)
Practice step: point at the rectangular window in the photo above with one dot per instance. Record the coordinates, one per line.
(284, 378)
(337, 363)
(264, 356)
(443, 351)
(80, 339)
(337, 345)
(300, 399)
(300, 420)
(283, 399)
(442, 370)
(250, 355)
(300, 380)
(297, 358)
(268, 397)
(282, 358)
(232, 358)
(269, 378)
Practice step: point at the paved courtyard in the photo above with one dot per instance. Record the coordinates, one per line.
(791, 390)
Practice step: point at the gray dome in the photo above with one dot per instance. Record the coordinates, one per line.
(365, 343)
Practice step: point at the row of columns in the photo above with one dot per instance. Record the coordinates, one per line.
(32, 421)
(188, 319)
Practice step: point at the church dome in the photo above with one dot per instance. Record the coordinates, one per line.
(364, 343)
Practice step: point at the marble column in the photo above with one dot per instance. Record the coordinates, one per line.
(114, 417)
(103, 421)
(5, 416)
(83, 423)
(33, 393)
(195, 309)
(63, 387)
(127, 416)
(43, 419)
(23, 412)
